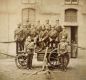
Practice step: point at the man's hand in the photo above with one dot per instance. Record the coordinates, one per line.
(59, 55)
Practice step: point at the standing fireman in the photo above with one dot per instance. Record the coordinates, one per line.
(17, 37)
(63, 34)
(63, 50)
(29, 48)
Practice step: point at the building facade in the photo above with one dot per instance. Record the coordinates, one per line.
(70, 13)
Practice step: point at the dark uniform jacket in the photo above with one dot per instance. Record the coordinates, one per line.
(62, 47)
(38, 28)
(53, 34)
(58, 28)
(17, 34)
(29, 45)
(44, 35)
(47, 26)
(63, 34)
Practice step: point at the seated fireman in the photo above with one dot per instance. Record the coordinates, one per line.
(43, 38)
(53, 36)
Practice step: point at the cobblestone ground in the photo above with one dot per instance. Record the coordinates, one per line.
(76, 71)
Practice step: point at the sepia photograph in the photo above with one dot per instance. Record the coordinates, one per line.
(42, 40)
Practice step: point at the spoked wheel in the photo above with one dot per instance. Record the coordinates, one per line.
(64, 60)
(21, 61)
(53, 58)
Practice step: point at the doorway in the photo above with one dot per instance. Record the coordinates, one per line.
(73, 40)
(74, 34)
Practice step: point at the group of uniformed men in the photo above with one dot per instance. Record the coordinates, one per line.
(27, 36)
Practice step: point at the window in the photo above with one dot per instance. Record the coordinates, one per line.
(71, 1)
(28, 1)
(74, 1)
(28, 14)
(71, 15)
(68, 1)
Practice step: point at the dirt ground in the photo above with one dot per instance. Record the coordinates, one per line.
(76, 71)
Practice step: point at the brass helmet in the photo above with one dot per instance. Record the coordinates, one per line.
(28, 39)
(19, 25)
(63, 39)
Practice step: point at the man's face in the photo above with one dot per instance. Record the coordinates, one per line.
(47, 21)
(38, 22)
(64, 29)
(57, 21)
(27, 22)
(32, 25)
(24, 27)
(52, 28)
(19, 25)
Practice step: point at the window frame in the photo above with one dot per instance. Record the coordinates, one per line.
(23, 2)
(67, 2)
(71, 2)
(75, 2)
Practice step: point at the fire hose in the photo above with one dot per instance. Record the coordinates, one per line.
(9, 42)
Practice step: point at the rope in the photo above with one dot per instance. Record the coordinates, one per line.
(7, 55)
(83, 48)
(8, 42)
